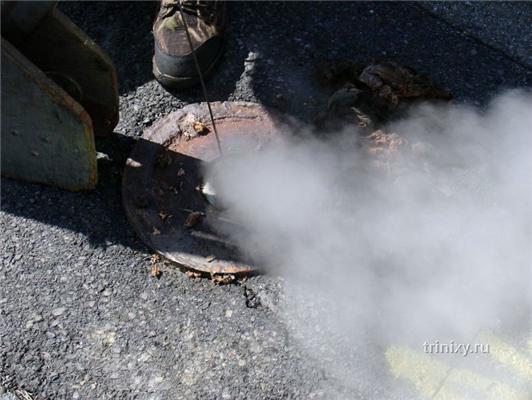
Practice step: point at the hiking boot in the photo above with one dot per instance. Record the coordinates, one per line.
(173, 62)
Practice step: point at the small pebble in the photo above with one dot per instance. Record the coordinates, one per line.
(56, 312)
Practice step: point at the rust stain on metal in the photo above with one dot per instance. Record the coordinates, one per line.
(193, 219)
(167, 170)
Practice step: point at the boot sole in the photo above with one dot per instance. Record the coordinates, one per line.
(177, 82)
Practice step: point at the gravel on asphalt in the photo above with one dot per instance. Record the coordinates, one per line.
(80, 316)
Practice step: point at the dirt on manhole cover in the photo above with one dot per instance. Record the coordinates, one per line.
(163, 173)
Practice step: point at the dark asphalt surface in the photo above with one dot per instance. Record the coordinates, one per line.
(80, 316)
(501, 25)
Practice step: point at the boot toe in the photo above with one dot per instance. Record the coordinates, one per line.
(175, 70)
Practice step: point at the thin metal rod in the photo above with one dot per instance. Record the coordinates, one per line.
(201, 79)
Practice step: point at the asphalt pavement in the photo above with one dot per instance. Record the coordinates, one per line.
(80, 315)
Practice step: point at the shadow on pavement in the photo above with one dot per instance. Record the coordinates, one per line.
(271, 57)
(305, 34)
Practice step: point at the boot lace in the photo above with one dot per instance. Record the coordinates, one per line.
(205, 10)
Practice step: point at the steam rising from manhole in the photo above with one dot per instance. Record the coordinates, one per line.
(210, 178)
(426, 238)
(167, 200)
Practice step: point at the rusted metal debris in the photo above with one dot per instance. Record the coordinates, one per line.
(193, 274)
(163, 173)
(370, 97)
(392, 82)
(374, 94)
(225, 279)
(193, 219)
(155, 271)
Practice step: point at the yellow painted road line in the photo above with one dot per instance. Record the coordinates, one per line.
(508, 355)
(436, 380)
(427, 375)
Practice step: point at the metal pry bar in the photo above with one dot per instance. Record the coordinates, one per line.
(201, 79)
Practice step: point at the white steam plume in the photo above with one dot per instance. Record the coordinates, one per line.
(434, 244)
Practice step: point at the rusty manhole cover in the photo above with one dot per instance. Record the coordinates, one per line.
(162, 176)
